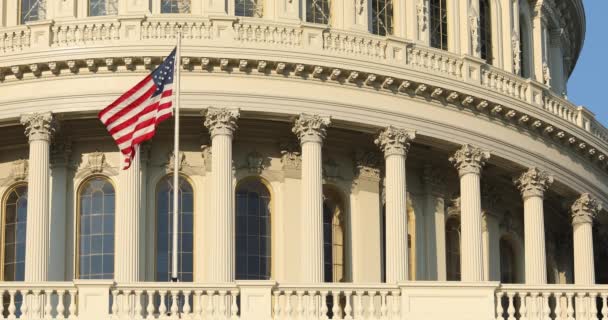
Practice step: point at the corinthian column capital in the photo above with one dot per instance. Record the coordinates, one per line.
(534, 183)
(585, 209)
(395, 141)
(38, 126)
(221, 121)
(311, 128)
(469, 159)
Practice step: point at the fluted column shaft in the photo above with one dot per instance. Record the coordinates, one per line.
(395, 144)
(469, 162)
(128, 226)
(39, 128)
(311, 130)
(222, 124)
(584, 211)
(533, 185)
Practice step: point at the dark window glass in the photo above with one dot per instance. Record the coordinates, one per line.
(439, 24)
(382, 17)
(32, 10)
(164, 233)
(507, 262)
(103, 7)
(317, 11)
(248, 8)
(452, 245)
(328, 261)
(253, 254)
(175, 6)
(15, 209)
(96, 230)
(485, 30)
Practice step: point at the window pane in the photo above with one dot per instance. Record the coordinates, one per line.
(248, 8)
(103, 7)
(439, 24)
(317, 11)
(96, 230)
(175, 6)
(33, 10)
(252, 241)
(15, 233)
(485, 30)
(164, 227)
(382, 17)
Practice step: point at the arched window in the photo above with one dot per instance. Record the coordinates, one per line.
(253, 245)
(175, 6)
(507, 262)
(452, 245)
(248, 8)
(103, 7)
(32, 10)
(525, 43)
(485, 30)
(164, 230)
(382, 17)
(333, 237)
(14, 231)
(96, 203)
(439, 24)
(317, 11)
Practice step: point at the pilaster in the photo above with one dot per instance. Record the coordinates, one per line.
(395, 143)
(434, 226)
(311, 130)
(584, 210)
(60, 158)
(469, 161)
(39, 128)
(222, 124)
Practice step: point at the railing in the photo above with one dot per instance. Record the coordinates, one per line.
(551, 302)
(38, 301)
(503, 82)
(337, 301)
(560, 107)
(339, 42)
(158, 28)
(15, 39)
(68, 34)
(435, 60)
(255, 32)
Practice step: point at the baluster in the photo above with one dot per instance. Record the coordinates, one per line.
(223, 306)
(72, 308)
(36, 307)
(150, 307)
(546, 296)
(48, 308)
(371, 310)
(348, 310)
(25, 303)
(312, 304)
(300, 310)
(11, 306)
(198, 305)
(186, 314)
(162, 308)
(60, 306)
(499, 309)
(523, 308)
(174, 307)
(287, 312)
(383, 307)
(570, 310)
(396, 304)
(324, 305)
(114, 307)
(138, 308)
(335, 308)
(604, 299)
(511, 305)
(210, 295)
(558, 305)
(359, 311)
(593, 300)
(234, 308)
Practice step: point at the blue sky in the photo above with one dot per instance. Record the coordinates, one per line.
(588, 85)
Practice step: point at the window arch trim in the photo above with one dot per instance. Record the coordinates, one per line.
(83, 182)
(5, 195)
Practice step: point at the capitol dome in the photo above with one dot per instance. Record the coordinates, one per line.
(339, 159)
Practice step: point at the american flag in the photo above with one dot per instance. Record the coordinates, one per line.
(133, 117)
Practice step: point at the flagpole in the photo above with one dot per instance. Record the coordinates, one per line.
(176, 88)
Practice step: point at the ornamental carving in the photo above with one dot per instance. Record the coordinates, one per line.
(395, 141)
(367, 165)
(434, 180)
(585, 209)
(206, 155)
(469, 159)
(19, 170)
(181, 161)
(546, 74)
(516, 47)
(360, 6)
(96, 161)
(290, 155)
(474, 22)
(422, 10)
(221, 121)
(331, 169)
(39, 126)
(311, 128)
(256, 162)
(534, 183)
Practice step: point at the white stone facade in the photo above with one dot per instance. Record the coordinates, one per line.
(433, 158)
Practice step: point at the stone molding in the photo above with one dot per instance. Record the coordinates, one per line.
(39, 126)
(95, 164)
(395, 141)
(367, 165)
(534, 183)
(469, 160)
(221, 121)
(18, 173)
(585, 209)
(434, 179)
(311, 128)
(291, 156)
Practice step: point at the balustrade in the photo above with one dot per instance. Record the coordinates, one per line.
(89, 33)
(38, 301)
(355, 45)
(161, 28)
(504, 82)
(268, 34)
(560, 108)
(15, 39)
(435, 60)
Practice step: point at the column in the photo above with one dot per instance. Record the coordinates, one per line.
(434, 223)
(538, 26)
(395, 143)
(469, 161)
(491, 246)
(128, 230)
(221, 124)
(311, 130)
(532, 185)
(584, 211)
(39, 128)
(60, 158)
